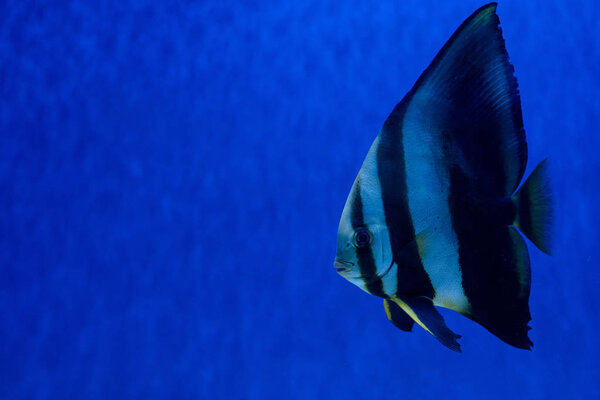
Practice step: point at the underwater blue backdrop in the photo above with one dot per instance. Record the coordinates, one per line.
(171, 179)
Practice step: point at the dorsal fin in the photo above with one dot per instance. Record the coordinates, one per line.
(468, 101)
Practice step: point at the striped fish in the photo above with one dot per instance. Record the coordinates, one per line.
(434, 217)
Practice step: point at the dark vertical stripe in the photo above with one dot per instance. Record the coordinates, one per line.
(478, 129)
(366, 261)
(412, 277)
(492, 263)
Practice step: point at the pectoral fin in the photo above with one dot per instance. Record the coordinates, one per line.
(397, 316)
(424, 313)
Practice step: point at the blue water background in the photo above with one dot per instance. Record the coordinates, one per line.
(171, 179)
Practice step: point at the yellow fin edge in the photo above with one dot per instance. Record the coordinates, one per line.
(410, 313)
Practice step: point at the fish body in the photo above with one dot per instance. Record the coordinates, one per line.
(434, 217)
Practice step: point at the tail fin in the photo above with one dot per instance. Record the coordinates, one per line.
(534, 208)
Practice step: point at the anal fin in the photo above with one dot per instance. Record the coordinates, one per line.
(500, 302)
(397, 316)
(424, 313)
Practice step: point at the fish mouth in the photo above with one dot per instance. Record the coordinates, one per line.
(342, 266)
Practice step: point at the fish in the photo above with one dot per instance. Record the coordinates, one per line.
(437, 214)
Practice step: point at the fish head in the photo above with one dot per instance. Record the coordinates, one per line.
(364, 252)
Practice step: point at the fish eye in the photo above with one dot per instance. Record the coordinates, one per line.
(362, 238)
